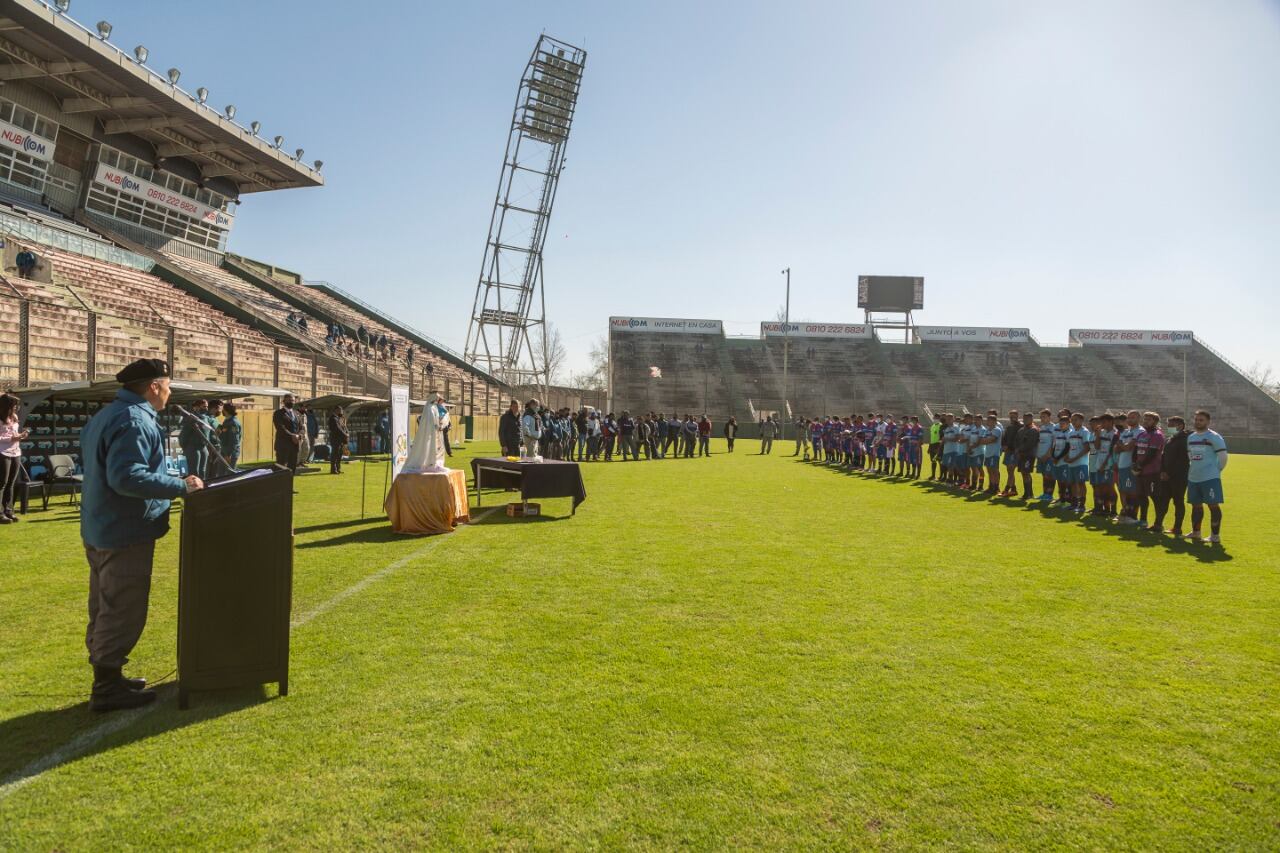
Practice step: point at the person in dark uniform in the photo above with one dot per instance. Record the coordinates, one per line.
(125, 509)
(288, 428)
(339, 435)
(189, 439)
(509, 430)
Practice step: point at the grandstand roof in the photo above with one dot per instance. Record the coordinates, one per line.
(89, 75)
(182, 391)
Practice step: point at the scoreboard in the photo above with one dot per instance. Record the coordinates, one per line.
(891, 292)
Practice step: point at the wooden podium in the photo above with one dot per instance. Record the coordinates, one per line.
(235, 583)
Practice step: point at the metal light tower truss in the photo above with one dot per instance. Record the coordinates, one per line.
(509, 314)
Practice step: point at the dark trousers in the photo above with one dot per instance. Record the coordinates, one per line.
(197, 460)
(1175, 491)
(287, 456)
(9, 468)
(689, 444)
(729, 440)
(335, 457)
(766, 445)
(119, 587)
(704, 445)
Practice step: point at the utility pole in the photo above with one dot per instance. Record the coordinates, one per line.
(786, 352)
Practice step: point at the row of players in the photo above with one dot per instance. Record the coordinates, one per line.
(1128, 459)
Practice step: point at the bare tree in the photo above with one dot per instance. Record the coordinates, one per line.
(553, 353)
(1265, 378)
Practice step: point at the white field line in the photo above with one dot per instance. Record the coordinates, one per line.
(86, 740)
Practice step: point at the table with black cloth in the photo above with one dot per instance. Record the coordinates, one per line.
(550, 478)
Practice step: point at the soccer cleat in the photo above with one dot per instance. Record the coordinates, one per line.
(1214, 539)
(1194, 536)
(1173, 531)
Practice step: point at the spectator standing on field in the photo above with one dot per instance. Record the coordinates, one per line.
(11, 438)
(509, 430)
(704, 436)
(338, 438)
(768, 432)
(730, 432)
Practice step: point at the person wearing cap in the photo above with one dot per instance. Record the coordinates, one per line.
(125, 509)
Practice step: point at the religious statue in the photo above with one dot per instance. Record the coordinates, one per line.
(426, 456)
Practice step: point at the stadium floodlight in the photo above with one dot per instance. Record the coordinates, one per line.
(202, 94)
(62, 6)
(174, 76)
(279, 140)
(230, 111)
(141, 53)
(254, 127)
(319, 164)
(104, 30)
(297, 155)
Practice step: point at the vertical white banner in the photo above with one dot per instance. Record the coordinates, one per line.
(399, 428)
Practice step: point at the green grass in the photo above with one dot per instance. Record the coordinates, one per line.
(740, 651)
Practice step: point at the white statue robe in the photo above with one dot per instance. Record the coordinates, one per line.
(426, 456)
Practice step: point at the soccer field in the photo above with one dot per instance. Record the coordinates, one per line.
(740, 651)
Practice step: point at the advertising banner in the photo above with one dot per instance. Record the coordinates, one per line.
(973, 334)
(1142, 337)
(12, 136)
(399, 428)
(156, 194)
(665, 324)
(815, 330)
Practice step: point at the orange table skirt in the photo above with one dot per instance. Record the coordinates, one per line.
(428, 503)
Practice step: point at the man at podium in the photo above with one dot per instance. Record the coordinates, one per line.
(125, 509)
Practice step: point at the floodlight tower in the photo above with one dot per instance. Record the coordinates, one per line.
(508, 319)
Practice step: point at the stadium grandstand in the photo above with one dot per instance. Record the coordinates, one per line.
(122, 186)
(689, 365)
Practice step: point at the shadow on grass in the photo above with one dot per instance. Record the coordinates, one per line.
(33, 743)
(333, 525)
(380, 534)
(1201, 551)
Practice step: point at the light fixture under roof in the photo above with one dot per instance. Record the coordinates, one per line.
(202, 94)
(230, 111)
(174, 75)
(104, 30)
(141, 53)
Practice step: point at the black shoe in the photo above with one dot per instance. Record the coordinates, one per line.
(113, 692)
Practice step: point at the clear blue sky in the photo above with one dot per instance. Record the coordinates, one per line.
(1092, 164)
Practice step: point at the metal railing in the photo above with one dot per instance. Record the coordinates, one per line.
(69, 241)
(380, 315)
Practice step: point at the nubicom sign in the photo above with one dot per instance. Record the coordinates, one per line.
(1131, 337)
(14, 137)
(770, 329)
(665, 325)
(972, 334)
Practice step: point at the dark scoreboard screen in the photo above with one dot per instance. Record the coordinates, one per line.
(890, 292)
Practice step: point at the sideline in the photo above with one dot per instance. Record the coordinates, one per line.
(86, 740)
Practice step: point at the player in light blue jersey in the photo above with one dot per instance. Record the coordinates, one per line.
(1104, 466)
(1128, 481)
(969, 458)
(991, 440)
(1059, 456)
(1044, 455)
(1207, 453)
(1076, 461)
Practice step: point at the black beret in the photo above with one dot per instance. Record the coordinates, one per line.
(143, 368)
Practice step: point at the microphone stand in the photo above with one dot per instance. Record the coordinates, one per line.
(202, 429)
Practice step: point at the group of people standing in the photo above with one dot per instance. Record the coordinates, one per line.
(1138, 468)
(198, 434)
(588, 436)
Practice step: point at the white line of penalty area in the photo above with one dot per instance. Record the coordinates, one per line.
(86, 740)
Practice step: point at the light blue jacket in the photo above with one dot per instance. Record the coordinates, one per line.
(126, 485)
